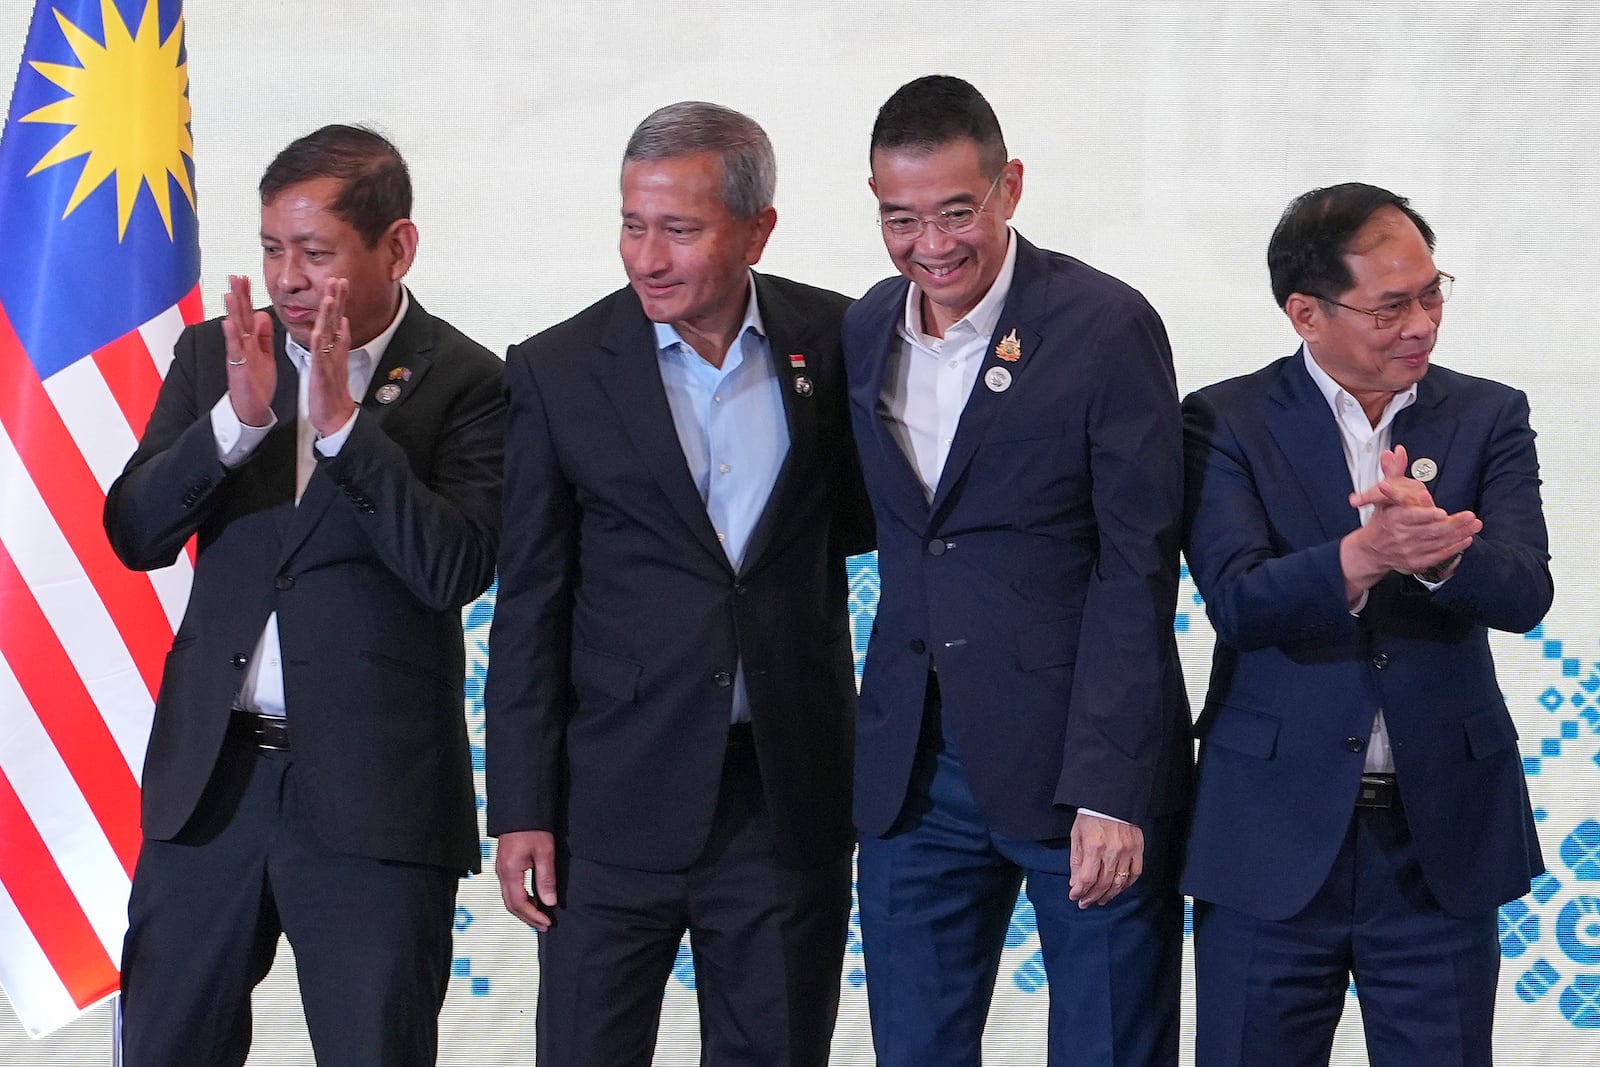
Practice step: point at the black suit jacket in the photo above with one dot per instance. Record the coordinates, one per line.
(367, 574)
(620, 621)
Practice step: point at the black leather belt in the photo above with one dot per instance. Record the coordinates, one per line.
(1377, 791)
(270, 732)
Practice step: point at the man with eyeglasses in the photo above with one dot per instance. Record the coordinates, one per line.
(1022, 715)
(1358, 520)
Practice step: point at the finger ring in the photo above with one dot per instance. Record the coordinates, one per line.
(237, 362)
(327, 349)
(1122, 876)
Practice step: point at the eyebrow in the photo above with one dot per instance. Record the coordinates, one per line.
(959, 200)
(1391, 295)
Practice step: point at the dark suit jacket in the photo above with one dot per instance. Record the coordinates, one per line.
(368, 575)
(1042, 578)
(620, 621)
(1296, 679)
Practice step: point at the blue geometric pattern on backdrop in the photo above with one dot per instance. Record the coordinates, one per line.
(1550, 939)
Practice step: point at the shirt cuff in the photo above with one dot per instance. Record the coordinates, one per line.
(236, 440)
(1103, 815)
(329, 446)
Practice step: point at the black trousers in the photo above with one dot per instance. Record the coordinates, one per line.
(768, 944)
(371, 939)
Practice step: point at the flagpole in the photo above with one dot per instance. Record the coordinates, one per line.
(116, 1030)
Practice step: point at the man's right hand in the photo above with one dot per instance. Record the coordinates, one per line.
(516, 855)
(252, 368)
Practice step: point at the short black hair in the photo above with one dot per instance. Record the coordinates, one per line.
(1307, 249)
(930, 112)
(375, 184)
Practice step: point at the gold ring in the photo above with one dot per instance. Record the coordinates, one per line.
(327, 350)
(1122, 876)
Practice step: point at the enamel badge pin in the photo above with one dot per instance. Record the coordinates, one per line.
(1009, 348)
(1424, 469)
(998, 379)
(802, 385)
(387, 393)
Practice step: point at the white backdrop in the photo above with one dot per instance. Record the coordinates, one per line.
(1161, 140)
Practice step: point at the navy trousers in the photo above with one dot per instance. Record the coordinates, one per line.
(371, 939)
(937, 895)
(1269, 994)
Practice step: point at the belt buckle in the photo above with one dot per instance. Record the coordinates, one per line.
(1377, 791)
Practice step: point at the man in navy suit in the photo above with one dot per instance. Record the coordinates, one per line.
(1357, 521)
(1022, 713)
(672, 692)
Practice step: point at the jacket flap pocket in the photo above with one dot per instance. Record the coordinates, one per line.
(1240, 730)
(1048, 644)
(1489, 731)
(600, 672)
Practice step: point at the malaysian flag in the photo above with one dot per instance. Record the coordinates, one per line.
(99, 271)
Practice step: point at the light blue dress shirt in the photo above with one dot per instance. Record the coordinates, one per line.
(734, 433)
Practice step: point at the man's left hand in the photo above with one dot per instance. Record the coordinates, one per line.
(329, 393)
(1107, 857)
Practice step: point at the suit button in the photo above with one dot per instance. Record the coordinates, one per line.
(936, 547)
(1380, 662)
(1355, 744)
(285, 582)
(723, 679)
(239, 660)
(741, 590)
(918, 646)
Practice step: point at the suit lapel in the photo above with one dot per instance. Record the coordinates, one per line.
(789, 334)
(631, 378)
(1426, 429)
(905, 486)
(1025, 305)
(1303, 426)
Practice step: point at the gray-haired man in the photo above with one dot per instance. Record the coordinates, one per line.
(671, 698)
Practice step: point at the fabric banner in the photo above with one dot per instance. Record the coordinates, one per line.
(99, 271)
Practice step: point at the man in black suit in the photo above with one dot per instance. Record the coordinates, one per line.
(338, 462)
(671, 696)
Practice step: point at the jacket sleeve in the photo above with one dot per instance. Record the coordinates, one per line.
(528, 700)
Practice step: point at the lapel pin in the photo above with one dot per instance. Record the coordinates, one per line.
(1009, 349)
(387, 393)
(802, 385)
(998, 379)
(1424, 469)
(797, 360)
(402, 374)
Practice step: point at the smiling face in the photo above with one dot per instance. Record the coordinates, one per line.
(304, 246)
(1390, 263)
(953, 271)
(687, 256)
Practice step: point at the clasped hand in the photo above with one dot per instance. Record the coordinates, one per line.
(253, 369)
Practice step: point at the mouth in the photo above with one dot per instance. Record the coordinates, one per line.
(940, 272)
(296, 316)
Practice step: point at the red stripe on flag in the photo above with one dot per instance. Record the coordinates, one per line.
(192, 307)
(68, 713)
(48, 907)
(75, 501)
(132, 378)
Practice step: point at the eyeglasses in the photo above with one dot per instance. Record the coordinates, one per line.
(952, 220)
(1389, 314)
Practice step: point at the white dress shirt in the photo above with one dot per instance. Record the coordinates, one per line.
(1363, 444)
(262, 690)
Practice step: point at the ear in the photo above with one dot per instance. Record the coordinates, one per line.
(760, 230)
(1306, 315)
(399, 242)
(872, 184)
(1011, 186)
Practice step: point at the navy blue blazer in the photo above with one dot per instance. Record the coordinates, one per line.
(1296, 679)
(1042, 578)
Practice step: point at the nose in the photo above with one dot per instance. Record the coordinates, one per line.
(1418, 321)
(291, 277)
(933, 241)
(650, 255)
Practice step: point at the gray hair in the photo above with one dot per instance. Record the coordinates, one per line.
(749, 170)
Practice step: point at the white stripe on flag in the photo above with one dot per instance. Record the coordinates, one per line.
(96, 423)
(160, 334)
(36, 992)
(75, 611)
(61, 815)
